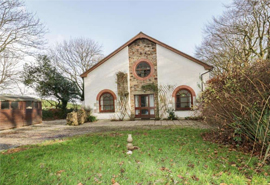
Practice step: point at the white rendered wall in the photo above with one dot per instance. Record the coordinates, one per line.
(104, 77)
(174, 69)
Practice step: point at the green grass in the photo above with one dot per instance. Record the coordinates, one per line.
(175, 156)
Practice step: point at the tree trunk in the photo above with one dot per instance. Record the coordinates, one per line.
(268, 44)
(82, 94)
(64, 105)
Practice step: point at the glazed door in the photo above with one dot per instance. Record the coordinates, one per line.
(144, 106)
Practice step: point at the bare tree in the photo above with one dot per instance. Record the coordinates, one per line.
(20, 33)
(75, 56)
(19, 29)
(237, 37)
(8, 71)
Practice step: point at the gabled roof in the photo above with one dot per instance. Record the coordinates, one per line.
(17, 98)
(141, 35)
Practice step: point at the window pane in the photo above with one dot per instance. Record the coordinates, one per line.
(151, 99)
(145, 112)
(137, 112)
(107, 102)
(29, 105)
(136, 101)
(152, 111)
(4, 105)
(15, 105)
(184, 105)
(185, 99)
(144, 101)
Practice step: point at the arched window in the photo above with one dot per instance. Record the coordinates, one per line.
(106, 102)
(183, 100)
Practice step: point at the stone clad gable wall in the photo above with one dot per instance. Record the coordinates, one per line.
(138, 50)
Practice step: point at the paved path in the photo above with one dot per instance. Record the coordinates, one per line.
(49, 130)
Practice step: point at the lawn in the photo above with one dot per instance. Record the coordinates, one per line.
(172, 156)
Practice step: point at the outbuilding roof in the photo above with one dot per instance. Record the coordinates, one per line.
(17, 98)
(141, 35)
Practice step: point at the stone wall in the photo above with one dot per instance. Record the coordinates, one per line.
(142, 49)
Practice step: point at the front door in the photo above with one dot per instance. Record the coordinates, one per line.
(144, 106)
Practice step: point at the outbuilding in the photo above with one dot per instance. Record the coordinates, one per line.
(19, 111)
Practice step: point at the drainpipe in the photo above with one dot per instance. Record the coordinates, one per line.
(82, 96)
(202, 77)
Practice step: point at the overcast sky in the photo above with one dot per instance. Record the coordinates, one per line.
(112, 23)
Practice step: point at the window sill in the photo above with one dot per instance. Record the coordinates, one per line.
(184, 110)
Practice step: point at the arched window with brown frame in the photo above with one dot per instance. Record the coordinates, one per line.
(106, 102)
(183, 100)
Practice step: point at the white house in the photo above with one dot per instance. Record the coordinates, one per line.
(146, 61)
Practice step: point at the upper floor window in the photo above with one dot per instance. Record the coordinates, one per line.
(143, 69)
(183, 99)
(106, 102)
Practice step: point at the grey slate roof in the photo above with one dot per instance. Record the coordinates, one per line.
(17, 98)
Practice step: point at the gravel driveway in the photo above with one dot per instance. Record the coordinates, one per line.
(57, 129)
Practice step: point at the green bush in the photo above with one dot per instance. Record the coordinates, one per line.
(47, 114)
(239, 103)
(53, 114)
(171, 115)
(92, 118)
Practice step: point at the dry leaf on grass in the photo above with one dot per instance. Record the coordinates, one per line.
(113, 182)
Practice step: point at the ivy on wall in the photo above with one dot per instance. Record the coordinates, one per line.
(150, 87)
(122, 91)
